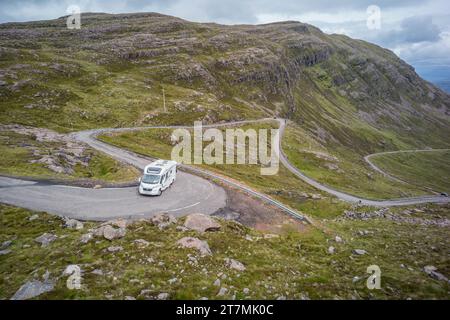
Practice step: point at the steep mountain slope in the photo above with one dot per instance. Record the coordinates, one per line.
(345, 93)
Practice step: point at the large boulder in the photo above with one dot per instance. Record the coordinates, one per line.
(112, 233)
(108, 232)
(194, 243)
(201, 223)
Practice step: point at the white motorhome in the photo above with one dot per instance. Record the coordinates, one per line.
(158, 176)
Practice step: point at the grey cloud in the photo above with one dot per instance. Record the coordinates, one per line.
(230, 11)
(419, 29)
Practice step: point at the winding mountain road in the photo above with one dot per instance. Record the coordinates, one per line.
(351, 198)
(191, 193)
(368, 158)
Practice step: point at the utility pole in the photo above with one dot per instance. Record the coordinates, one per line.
(164, 100)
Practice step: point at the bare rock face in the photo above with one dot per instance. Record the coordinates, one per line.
(194, 243)
(201, 223)
(234, 264)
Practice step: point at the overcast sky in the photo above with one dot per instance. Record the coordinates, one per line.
(417, 30)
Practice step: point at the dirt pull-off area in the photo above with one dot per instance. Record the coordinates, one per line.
(255, 214)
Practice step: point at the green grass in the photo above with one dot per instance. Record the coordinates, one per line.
(295, 265)
(427, 169)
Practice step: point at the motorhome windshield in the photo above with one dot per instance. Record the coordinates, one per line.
(151, 179)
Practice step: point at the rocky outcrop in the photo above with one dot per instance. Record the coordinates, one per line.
(64, 154)
(201, 223)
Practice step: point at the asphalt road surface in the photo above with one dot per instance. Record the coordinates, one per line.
(189, 194)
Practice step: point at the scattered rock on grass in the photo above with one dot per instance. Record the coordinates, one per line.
(234, 264)
(97, 272)
(141, 243)
(5, 252)
(85, 238)
(32, 289)
(73, 224)
(223, 291)
(194, 243)
(163, 296)
(432, 272)
(6, 244)
(112, 233)
(46, 239)
(163, 220)
(359, 252)
(113, 249)
(331, 250)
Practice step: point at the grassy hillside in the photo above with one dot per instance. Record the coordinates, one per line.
(342, 168)
(428, 169)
